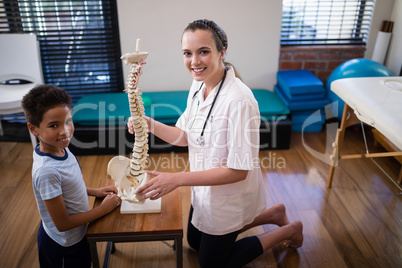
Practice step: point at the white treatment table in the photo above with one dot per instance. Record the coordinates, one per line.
(376, 101)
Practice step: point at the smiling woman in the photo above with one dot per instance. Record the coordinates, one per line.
(202, 58)
(222, 135)
(197, 59)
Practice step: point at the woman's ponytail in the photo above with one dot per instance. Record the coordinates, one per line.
(228, 64)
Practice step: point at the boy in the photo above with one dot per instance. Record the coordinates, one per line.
(60, 191)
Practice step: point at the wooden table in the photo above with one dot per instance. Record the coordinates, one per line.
(115, 227)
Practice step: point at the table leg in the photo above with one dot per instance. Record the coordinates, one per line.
(334, 159)
(94, 254)
(179, 252)
(113, 248)
(348, 118)
(110, 248)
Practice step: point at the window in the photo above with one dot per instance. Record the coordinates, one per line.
(79, 41)
(325, 22)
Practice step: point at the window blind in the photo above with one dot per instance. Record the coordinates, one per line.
(79, 41)
(324, 22)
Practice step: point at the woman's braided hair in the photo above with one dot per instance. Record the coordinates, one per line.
(218, 35)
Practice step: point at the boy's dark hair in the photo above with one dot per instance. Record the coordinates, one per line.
(42, 98)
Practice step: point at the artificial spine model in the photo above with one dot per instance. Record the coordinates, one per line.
(136, 173)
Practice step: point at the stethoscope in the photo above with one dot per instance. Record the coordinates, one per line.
(200, 139)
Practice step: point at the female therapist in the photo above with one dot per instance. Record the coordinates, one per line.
(220, 126)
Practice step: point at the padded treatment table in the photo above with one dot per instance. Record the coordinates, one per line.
(166, 107)
(376, 101)
(103, 114)
(113, 108)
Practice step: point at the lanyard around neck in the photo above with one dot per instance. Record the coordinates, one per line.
(212, 106)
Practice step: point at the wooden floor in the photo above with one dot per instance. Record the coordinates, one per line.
(357, 223)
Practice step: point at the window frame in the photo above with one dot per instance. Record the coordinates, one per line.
(92, 48)
(363, 12)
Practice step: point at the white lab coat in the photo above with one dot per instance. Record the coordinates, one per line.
(231, 138)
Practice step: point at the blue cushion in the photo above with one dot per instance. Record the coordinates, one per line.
(309, 128)
(301, 105)
(308, 116)
(113, 108)
(270, 105)
(166, 107)
(311, 120)
(303, 97)
(101, 108)
(299, 82)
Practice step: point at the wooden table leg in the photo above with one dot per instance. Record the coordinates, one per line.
(94, 254)
(348, 119)
(334, 160)
(110, 248)
(179, 252)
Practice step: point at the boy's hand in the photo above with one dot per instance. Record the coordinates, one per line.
(110, 202)
(104, 191)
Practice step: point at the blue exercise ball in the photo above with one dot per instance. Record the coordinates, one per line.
(352, 68)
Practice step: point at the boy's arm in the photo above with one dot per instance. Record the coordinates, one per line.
(102, 192)
(64, 222)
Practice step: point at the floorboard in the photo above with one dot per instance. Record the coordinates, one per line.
(356, 223)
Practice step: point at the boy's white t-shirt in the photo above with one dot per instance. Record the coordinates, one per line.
(53, 176)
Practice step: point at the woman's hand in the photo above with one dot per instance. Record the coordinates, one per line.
(130, 124)
(159, 186)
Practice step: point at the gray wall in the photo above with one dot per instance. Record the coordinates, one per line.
(253, 29)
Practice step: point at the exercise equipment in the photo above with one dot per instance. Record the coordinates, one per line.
(349, 69)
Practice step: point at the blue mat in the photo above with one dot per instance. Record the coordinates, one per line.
(313, 116)
(270, 104)
(307, 128)
(299, 82)
(308, 120)
(165, 107)
(301, 105)
(113, 108)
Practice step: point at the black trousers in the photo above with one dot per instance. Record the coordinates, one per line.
(53, 255)
(222, 250)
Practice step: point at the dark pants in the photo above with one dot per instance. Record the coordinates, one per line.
(53, 255)
(222, 250)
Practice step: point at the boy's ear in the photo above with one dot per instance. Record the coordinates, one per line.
(33, 130)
